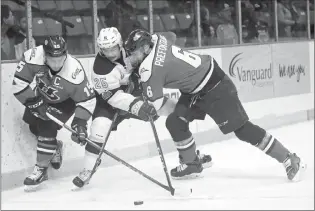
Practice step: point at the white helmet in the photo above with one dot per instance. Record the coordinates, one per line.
(109, 37)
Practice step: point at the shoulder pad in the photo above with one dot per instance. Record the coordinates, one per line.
(102, 65)
(35, 56)
(72, 70)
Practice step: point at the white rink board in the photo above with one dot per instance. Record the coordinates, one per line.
(19, 146)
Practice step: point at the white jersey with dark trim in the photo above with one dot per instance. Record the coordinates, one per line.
(110, 80)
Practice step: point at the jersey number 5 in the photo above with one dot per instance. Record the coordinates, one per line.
(190, 58)
(20, 66)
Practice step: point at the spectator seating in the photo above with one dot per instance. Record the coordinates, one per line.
(102, 4)
(65, 5)
(157, 23)
(53, 27)
(169, 21)
(144, 21)
(78, 28)
(47, 5)
(82, 5)
(39, 27)
(184, 20)
(14, 7)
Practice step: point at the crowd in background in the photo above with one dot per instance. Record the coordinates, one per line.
(219, 21)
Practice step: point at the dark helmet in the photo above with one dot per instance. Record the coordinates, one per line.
(137, 39)
(55, 46)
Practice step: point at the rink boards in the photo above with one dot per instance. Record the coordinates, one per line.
(275, 82)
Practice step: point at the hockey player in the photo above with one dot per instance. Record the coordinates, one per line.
(205, 89)
(62, 89)
(113, 84)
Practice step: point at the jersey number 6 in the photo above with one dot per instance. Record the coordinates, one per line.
(149, 91)
(190, 58)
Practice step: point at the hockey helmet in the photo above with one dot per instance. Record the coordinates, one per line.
(137, 39)
(108, 38)
(55, 46)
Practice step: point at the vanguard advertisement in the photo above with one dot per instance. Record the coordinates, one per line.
(291, 67)
(250, 68)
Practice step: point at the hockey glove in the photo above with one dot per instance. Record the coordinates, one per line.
(79, 125)
(37, 107)
(142, 110)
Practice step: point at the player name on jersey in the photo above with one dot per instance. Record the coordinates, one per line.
(161, 52)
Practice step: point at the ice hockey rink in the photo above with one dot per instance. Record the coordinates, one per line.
(242, 177)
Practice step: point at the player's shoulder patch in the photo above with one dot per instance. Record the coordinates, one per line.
(35, 56)
(145, 73)
(72, 71)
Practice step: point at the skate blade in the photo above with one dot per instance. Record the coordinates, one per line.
(31, 188)
(207, 165)
(76, 188)
(187, 177)
(300, 174)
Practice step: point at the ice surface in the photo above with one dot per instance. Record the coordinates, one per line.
(242, 177)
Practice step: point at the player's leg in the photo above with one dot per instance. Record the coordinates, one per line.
(67, 108)
(31, 120)
(101, 121)
(177, 124)
(46, 148)
(227, 111)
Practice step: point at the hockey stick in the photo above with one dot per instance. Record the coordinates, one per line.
(159, 148)
(50, 116)
(161, 155)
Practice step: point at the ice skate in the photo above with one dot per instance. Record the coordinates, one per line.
(56, 161)
(294, 167)
(187, 170)
(206, 160)
(83, 178)
(38, 176)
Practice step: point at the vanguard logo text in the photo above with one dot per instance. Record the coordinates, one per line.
(257, 76)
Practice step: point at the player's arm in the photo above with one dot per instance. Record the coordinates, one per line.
(84, 97)
(109, 87)
(152, 86)
(23, 77)
(22, 90)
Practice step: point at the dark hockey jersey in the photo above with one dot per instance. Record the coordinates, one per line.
(70, 82)
(168, 66)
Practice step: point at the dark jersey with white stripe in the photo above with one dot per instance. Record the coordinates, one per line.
(168, 66)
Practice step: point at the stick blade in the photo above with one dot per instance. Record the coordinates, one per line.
(182, 192)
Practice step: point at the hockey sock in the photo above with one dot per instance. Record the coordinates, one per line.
(91, 155)
(258, 137)
(46, 148)
(272, 147)
(187, 150)
(184, 142)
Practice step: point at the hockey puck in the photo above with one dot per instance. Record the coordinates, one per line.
(138, 202)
